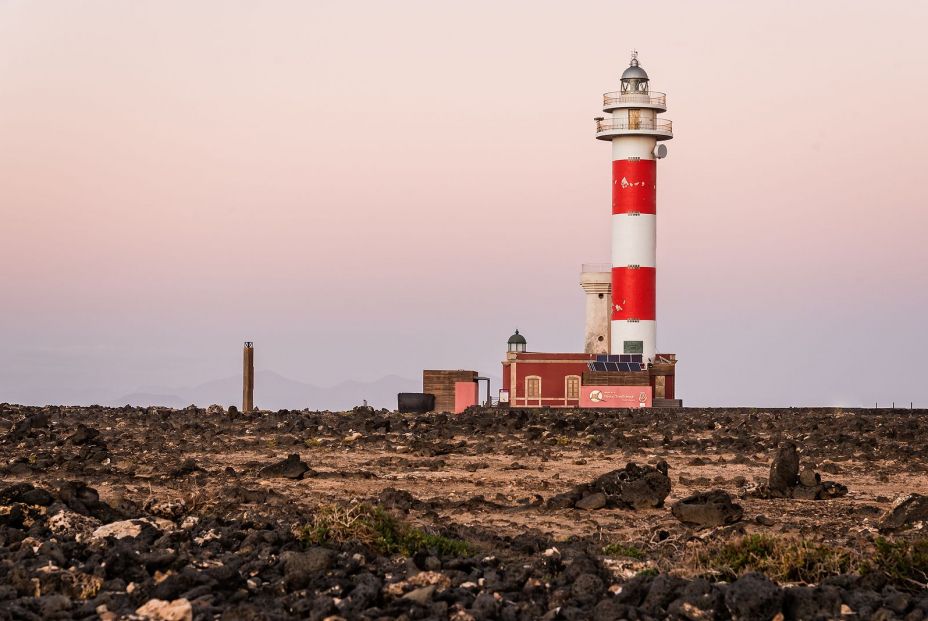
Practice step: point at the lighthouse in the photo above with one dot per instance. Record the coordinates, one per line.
(634, 130)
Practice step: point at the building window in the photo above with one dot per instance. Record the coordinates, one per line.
(572, 386)
(533, 387)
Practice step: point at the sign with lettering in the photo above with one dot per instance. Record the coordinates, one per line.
(615, 397)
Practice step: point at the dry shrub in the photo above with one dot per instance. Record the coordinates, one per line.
(779, 558)
(375, 528)
(785, 559)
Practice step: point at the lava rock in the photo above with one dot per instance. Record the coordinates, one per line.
(784, 471)
(300, 568)
(291, 468)
(831, 489)
(905, 512)
(812, 603)
(635, 486)
(27, 494)
(809, 477)
(84, 434)
(23, 428)
(707, 509)
(596, 500)
(752, 597)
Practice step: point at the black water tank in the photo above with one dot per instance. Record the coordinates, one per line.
(415, 402)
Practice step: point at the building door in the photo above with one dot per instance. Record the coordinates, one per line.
(634, 119)
(533, 390)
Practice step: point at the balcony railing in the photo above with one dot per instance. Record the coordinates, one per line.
(651, 97)
(612, 124)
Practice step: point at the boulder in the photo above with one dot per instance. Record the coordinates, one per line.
(905, 512)
(130, 528)
(71, 524)
(300, 568)
(707, 509)
(27, 494)
(809, 477)
(291, 468)
(784, 471)
(83, 434)
(634, 486)
(831, 489)
(753, 596)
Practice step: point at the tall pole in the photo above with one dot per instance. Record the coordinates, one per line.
(248, 377)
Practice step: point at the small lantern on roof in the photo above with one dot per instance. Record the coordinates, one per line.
(517, 342)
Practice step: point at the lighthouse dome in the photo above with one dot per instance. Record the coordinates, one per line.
(634, 72)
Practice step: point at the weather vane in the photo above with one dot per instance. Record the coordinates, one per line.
(634, 61)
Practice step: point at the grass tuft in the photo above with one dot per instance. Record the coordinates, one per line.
(374, 527)
(781, 559)
(902, 562)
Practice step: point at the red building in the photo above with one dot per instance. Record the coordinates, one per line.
(534, 379)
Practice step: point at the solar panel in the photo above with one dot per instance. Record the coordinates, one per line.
(602, 366)
(636, 358)
(601, 358)
(625, 358)
(613, 366)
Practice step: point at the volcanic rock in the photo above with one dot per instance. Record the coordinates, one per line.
(160, 610)
(707, 509)
(84, 434)
(784, 471)
(595, 500)
(752, 597)
(831, 489)
(809, 478)
(71, 524)
(635, 486)
(26, 494)
(26, 425)
(905, 512)
(291, 468)
(129, 528)
(421, 596)
(301, 567)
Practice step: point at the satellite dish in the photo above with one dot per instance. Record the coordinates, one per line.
(660, 152)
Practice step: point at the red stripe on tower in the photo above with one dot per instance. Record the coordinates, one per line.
(634, 186)
(633, 293)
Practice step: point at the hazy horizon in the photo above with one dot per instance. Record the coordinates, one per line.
(368, 189)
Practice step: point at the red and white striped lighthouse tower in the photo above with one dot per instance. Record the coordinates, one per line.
(634, 131)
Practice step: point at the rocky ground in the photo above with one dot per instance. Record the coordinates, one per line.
(150, 513)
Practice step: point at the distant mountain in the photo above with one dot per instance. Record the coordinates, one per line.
(147, 398)
(275, 392)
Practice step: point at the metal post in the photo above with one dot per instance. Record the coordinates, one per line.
(248, 378)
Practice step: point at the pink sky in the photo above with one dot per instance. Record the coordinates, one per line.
(373, 188)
